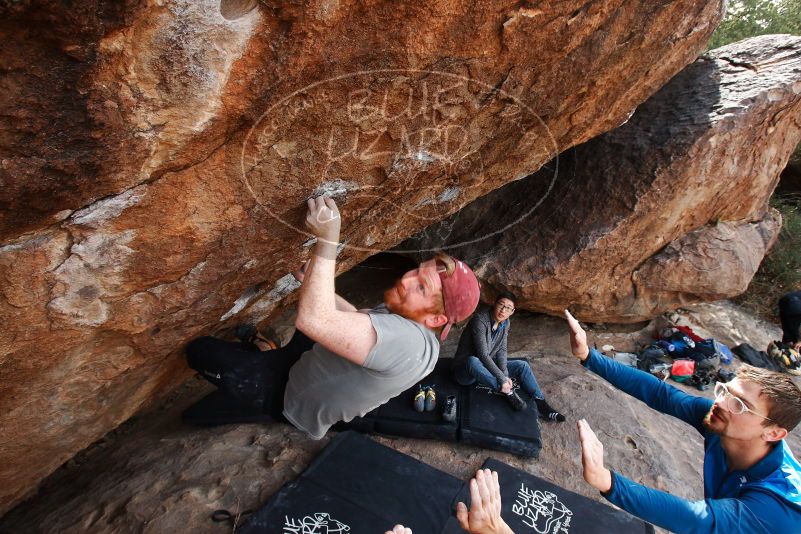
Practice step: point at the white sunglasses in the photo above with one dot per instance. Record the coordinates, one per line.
(733, 404)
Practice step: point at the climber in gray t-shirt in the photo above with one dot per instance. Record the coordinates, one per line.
(361, 360)
(343, 362)
(324, 388)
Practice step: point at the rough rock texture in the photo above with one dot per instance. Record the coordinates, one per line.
(709, 262)
(156, 475)
(155, 157)
(669, 209)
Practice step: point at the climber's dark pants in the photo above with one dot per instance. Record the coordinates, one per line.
(790, 314)
(255, 379)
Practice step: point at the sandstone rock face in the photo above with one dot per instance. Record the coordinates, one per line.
(156, 156)
(708, 262)
(669, 209)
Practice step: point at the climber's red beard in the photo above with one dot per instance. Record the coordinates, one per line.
(396, 302)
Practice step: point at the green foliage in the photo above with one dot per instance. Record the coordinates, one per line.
(782, 265)
(780, 271)
(748, 18)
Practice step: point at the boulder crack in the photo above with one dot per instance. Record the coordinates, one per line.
(742, 64)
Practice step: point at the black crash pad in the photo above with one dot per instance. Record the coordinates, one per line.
(301, 507)
(397, 417)
(364, 486)
(357, 485)
(531, 504)
(488, 421)
(483, 419)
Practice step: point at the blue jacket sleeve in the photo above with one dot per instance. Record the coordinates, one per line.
(753, 512)
(649, 389)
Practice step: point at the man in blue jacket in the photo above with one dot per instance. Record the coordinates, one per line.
(752, 481)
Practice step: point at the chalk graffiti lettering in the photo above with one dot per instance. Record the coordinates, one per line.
(412, 146)
(319, 523)
(542, 511)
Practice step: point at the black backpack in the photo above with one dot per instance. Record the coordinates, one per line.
(651, 355)
(754, 357)
(705, 354)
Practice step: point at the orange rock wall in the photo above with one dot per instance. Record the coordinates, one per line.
(155, 158)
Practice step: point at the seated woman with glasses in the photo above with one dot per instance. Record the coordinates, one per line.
(481, 358)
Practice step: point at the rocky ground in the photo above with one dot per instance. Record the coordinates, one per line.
(155, 474)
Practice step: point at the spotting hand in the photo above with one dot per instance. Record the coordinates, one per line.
(484, 516)
(592, 458)
(578, 338)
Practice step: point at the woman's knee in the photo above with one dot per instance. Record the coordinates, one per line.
(475, 367)
(463, 380)
(518, 367)
(463, 375)
(474, 363)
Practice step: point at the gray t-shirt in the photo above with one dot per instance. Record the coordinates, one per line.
(324, 388)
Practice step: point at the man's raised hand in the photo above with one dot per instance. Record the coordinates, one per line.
(322, 219)
(484, 516)
(399, 529)
(592, 458)
(578, 338)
